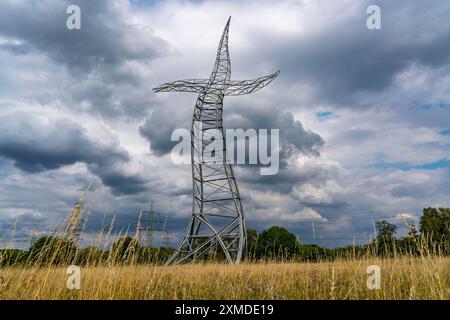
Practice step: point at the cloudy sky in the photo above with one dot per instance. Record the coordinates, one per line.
(364, 115)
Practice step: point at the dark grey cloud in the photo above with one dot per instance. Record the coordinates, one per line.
(21, 227)
(288, 177)
(99, 56)
(347, 60)
(293, 136)
(294, 140)
(158, 128)
(104, 37)
(36, 145)
(119, 182)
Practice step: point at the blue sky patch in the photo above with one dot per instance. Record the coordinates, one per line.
(445, 132)
(435, 105)
(405, 166)
(324, 115)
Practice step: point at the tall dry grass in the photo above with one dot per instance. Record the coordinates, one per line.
(110, 272)
(401, 278)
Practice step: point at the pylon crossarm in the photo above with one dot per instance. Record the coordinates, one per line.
(241, 87)
(188, 85)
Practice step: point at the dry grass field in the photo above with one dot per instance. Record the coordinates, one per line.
(401, 278)
(421, 271)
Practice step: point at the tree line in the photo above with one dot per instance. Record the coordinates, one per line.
(433, 237)
(274, 243)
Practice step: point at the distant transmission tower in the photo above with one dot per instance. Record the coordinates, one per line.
(217, 219)
(149, 222)
(165, 237)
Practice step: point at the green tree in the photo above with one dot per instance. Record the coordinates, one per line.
(385, 230)
(90, 256)
(435, 223)
(412, 231)
(125, 250)
(385, 240)
(12, 257)
(252, 241)
(53, 250)
(275, 243)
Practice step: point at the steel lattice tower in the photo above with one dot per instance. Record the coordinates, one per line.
(217, 223)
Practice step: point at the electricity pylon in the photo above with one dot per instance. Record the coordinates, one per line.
(165, 237)
(217, 221)
(147, 226)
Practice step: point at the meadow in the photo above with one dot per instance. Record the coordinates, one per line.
(276, 267)
(401, 278)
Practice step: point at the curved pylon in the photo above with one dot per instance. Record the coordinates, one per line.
(217, 223)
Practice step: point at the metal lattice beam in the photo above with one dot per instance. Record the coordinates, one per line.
(217, 222)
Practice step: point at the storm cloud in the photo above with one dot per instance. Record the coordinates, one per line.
(107, 38)
(35, 145)
(363, 114)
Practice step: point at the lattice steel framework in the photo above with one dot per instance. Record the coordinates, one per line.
(217, 223)
(149, 222)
